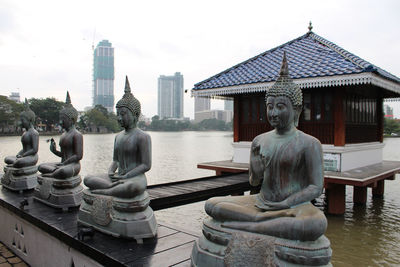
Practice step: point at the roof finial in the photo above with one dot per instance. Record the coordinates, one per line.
(68, 99)
(284, 67)
(127, 86)
(310, 27)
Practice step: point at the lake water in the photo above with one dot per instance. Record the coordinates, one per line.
(365, 236)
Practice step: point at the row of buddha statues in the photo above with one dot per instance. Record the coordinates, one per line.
(276, 227)
(115, 203)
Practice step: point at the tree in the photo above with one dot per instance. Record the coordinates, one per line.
(212, 124)
(99, 117)
(391, 126)
(102, 109)
(47, 110)
(9, 112)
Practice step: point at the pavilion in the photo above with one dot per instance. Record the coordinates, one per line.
(342, 106)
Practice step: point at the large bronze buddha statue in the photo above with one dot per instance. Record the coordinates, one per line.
(117, 203)
(60, 183)
(280, 222)
(20, 171)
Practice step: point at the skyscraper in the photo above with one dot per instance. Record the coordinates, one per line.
(201, 104)
(103, 75)
(170, 96)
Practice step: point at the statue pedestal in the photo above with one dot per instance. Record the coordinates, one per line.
(221, 246)
(119, 217)
(59, 193)
(19, 179)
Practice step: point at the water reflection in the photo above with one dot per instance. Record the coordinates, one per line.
(365, 236)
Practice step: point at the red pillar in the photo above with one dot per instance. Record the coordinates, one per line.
(339, 138)
(379, 189)
(360, 195)
(336, 194)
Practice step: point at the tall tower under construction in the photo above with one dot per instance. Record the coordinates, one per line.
(103, 75)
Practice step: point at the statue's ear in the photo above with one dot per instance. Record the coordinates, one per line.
(297, 112)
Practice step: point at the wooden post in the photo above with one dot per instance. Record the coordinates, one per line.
(360, 195)
(339, 138)
(236, 117)
(379, 189)
(336, 195)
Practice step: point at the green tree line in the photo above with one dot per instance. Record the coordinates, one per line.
(179, 125)
(47, 116)
(98, 119)
(391, 126)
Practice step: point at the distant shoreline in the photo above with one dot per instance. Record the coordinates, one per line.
(58, 133)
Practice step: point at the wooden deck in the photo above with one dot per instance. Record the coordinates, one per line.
(184, 192)
(224, 166)
(373, 176)
(171, 247)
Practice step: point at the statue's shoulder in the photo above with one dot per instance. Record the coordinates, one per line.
(34, 132)
(78, 133)
(142, 134)
(262, 138)
(309, 139)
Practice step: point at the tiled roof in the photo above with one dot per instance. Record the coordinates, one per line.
(308, 56)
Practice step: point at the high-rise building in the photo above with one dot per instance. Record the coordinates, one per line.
(103, 75)
(201, 104)
(170, 96)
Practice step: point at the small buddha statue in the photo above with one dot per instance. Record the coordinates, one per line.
(21, 169)
(60, 183)
(279, 222)
(122, 189)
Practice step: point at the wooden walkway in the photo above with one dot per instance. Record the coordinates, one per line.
(184, 192)
(171, 247)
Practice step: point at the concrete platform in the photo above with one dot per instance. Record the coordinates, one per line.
(42, 236)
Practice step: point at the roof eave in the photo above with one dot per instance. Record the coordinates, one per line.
(326, 81)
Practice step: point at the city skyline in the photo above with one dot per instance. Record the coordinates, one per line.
(46, 53)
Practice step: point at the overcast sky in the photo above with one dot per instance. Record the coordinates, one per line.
(46, 46)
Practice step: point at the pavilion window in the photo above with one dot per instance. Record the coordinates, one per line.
(360, 110)
(328, 114)
(254, 110)
(263, 111)
(307, 107)
(317, 107)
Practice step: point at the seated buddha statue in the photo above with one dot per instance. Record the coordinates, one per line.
(60, 183)
(71, 146)
(123, 187)
(289, 166)
(21, 169)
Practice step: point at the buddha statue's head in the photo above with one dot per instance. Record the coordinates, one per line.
(68, 115)
(128, 108)
(284, 99)
(27, 116)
